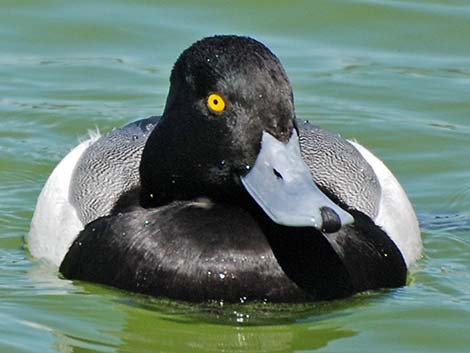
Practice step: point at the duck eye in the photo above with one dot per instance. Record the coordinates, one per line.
(215, 103)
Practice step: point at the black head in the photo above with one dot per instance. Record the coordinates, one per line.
(225, 91)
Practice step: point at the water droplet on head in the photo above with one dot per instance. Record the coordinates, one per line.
(314, 222)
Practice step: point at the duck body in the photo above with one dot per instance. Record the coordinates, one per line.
(170, 207)
(223, 252)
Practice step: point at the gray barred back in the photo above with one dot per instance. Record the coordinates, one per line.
(109, 168)
(339, 169)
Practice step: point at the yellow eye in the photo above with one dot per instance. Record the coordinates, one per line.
(215, 103)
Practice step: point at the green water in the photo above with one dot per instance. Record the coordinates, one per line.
(394, 75)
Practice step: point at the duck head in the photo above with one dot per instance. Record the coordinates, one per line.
(228, 130)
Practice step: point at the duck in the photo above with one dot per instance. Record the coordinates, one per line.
(227, 196)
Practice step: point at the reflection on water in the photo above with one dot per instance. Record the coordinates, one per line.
(165, 326)
(170, 336)
(136, 323)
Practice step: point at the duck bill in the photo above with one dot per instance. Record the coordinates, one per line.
(281, 184)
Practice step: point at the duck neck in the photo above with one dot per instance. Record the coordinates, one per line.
(177, 164)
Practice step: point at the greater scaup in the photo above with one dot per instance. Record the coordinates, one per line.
(227, 196)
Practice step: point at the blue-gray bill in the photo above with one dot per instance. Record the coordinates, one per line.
(281, 183)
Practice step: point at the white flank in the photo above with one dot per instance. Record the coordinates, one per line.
(396, 214)
(55, 223)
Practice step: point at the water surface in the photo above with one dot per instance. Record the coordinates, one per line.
(395, 75)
